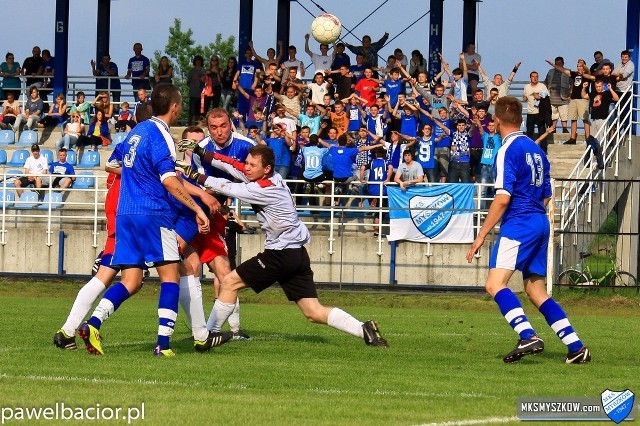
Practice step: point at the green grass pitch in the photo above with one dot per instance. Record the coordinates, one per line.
(444, 363)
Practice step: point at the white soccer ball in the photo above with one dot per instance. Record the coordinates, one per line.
(326, 28)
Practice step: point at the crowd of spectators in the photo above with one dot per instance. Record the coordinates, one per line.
(441, 123)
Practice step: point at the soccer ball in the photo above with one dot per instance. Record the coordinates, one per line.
(326, 28)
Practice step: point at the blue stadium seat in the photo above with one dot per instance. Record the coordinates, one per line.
(3, 156)
(72, 157)
(48, 154)
(28, 200)
(18, 158)
(7, 137)
(7, 198)
(10, 174)
(119, 137)
(28, 137)
(90, 159)
(54, 197)
(84, 180)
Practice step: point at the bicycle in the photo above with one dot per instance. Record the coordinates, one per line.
(614, 277)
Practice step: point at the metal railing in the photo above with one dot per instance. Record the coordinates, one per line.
(575, 193)
(336, 212)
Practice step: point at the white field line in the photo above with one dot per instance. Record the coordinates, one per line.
(376, 392)
(486, 421)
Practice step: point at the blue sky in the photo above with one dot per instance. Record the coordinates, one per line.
(508, 30)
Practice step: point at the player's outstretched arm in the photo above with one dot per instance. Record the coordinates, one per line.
(175, 187)
(227, 164)
(497, 209)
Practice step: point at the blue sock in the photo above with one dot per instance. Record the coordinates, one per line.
(167, 312)
(112, 299)
(558, 321)
(512, 311)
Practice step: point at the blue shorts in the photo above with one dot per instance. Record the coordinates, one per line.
(186, 227)
(522, 245)
(145, 240)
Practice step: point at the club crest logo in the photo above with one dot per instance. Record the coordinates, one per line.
(617, 404)
(431, 215)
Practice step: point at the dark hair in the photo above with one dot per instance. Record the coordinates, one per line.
(461, 121)
(625, 52)
(457, 71)
(265, 153)
(198, 57)
(143, 112)
(380, 152)
(559, 58)
(224, 209)
(314, 140)
(62, 149)
(419, 55)
(597, 52)
(343, 139)
(407, 151)
(162, 97)
(509, 110)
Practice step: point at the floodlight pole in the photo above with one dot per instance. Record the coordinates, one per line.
(436, 13)
(245, 26)
(61, 43)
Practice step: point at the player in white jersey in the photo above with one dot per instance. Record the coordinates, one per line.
(285, 258)
(523, 190)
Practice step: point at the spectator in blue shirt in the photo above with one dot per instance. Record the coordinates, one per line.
(62, 170)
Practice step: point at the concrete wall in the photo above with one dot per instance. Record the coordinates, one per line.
(355, 258)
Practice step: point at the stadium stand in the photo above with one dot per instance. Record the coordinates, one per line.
(18, 158)
(28, 137)
(7, 198)
(89, 160)
(7, 137)
(51, 198)
(84, 180)
(28, 200)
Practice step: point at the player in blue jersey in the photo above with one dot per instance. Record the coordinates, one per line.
(148, 176)
(379, 175)
(285, 258)
(105, 272)
(523, 190)
(212, 249)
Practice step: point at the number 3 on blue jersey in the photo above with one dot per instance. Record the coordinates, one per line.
(537, 169)
(130, 156)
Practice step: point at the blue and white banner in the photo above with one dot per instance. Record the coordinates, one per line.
(436, 214)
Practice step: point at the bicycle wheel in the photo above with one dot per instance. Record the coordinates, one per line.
(624, 282)
(572, 277)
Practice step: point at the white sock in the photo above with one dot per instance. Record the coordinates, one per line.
(81, 306)
(219, 315)
(104, 309)
(234, 318)
(342, 321)
(191, 303)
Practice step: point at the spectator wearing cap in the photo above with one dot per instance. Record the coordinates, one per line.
(35, 166)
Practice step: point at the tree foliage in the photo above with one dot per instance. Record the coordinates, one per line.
(181, 49)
